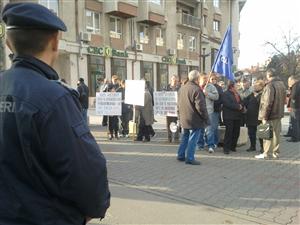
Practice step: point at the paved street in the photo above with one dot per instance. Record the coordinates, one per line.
(149, 186)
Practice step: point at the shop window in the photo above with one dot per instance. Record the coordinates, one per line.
(183, 72)
(162, 76)
(92, 22)
(118, 67)
(115, 27)
(96, 69)
(50, 4)
(147, 72)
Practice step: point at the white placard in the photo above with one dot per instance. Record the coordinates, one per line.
(165, 103)
(109, 103)
(134, 92)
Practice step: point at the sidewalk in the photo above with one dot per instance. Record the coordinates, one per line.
(149, 186)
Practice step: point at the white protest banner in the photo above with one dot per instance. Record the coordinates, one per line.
(165, 103)
(134, 92)
(109, 103)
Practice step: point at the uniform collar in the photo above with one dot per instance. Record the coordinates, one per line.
(35, 64)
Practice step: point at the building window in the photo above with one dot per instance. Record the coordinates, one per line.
(162, 76)
(160, 36)
(204, 20)
(50, 4)
(158, 2)
(180, 44)
(183, 72)
(96, 68)
(192, 43)
(92, 22)
(216, 24)
(216, 3)
(115, 27)
(147, 71)
(144, 34)
(118, 67)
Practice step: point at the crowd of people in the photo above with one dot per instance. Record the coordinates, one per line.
(205, 103)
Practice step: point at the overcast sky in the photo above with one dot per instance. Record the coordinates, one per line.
(265, 20)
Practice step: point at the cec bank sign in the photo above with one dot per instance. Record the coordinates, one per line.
(106, 51)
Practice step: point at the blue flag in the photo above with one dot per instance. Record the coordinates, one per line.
(224, 60)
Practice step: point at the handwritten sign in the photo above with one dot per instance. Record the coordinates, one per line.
(165, 103)
(134, 92)
(109, 103)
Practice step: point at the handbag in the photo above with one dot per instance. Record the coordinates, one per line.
(265, 131)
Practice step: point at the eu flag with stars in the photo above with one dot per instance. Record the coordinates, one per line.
(224, 60)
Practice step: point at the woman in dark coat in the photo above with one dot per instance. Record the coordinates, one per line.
(252, 105)
(232, 114)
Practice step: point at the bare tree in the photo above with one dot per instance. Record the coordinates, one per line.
(286, 56)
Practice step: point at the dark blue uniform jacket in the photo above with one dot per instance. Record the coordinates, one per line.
(51, 168)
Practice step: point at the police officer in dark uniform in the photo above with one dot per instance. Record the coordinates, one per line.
(52, 171)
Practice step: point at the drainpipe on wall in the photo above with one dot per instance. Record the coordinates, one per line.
(201, 28)
(78, 39)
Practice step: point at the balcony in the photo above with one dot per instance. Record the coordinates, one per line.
(124, 9)
(189, 20)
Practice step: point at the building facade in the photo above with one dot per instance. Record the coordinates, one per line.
(134, 39)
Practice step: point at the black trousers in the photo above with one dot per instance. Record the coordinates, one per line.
(232, 133)
(113, 125)
(144, 130)
(125, 118)
(295, 121)
(252, 136)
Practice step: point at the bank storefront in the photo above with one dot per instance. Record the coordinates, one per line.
(103, 62)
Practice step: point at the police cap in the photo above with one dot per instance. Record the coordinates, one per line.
(31, 16)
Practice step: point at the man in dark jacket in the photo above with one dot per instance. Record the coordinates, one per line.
(271, 110)
(51, 168)
(192, 116)
(294, 84)
(83, 91)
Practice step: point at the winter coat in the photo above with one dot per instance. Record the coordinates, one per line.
(146, 111)
(231, 108)
(211, 97)
(272, 100)
(252, 105)
(192, 107)
(295, 96)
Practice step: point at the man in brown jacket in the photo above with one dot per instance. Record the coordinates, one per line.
(193, 116)
(271, 110)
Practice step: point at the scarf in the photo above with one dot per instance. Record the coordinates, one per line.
(236, 95)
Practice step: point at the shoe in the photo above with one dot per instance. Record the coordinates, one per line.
(110, 138)
(211, 150)
(180, 159)
(275, 155)
(251, 149)
(147, 140)
(194, 162)
(233, 150)
(153, 134)
(286, 135)
(261, 151)
(200, 149)
(138, 139)
(226, 152)
(291, 140)
(260, 156)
